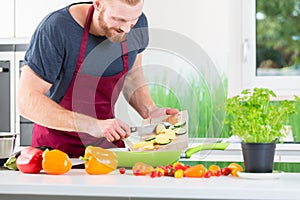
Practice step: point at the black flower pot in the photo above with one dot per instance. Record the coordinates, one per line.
(258, 157)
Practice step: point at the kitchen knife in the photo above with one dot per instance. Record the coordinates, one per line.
(144, 130)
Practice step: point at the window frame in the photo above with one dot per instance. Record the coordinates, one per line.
(283, 86)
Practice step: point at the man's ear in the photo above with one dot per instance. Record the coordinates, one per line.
(98, 4)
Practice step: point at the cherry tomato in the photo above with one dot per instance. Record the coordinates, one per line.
(159, 174)
(218, 173)
(178, 173)
(161, 170)
(144, 168)
(137, 172)
(178, 166)
(226, 171)
(170, 171)
(122, 170)
(235, 168)
(152, 174)
(234, 172)
(208, 174)
(214, 169)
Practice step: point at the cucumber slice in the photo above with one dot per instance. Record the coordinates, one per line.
(162, 139)
(150, 138)
(180, 131)
(180, 124)
(163, 143)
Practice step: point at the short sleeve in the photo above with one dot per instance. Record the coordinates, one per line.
(141, 32)
(46, 50)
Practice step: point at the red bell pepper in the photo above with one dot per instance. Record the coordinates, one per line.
(30, 160)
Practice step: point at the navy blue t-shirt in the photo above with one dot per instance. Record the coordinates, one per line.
(54, 48)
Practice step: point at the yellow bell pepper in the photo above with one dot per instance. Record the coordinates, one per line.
(99, 161)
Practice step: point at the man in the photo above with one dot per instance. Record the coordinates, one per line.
(70, 98)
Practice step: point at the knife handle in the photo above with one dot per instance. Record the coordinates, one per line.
(133, 129)
(214, 146)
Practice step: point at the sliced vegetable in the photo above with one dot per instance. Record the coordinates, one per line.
(162, 139)
(150, 138)
(160, 128)
(170, 134)
(142, 144)
(30, 160)
(180, 131)
(180, 124)
(99, 161)
(142, 169)
(56, 162)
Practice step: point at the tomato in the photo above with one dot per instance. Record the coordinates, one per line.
(152, 174)
(136, 172)
(226, 171)
(214, 169)
(234, 172)
(218, 173)
(235, 168)
(161, 170)
(178, 165)
(122, 170)
(159, 174)
(143, 168)
(170, 171)
(208, 174)
(178, 173)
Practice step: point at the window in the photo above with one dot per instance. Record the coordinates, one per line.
(271, 45)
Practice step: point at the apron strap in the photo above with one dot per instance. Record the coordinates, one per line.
(84, 38)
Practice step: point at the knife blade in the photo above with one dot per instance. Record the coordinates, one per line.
(143, 130)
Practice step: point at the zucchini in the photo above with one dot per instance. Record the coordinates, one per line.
(180, 131)
(162, 139)
(150, 138)
(180, 124)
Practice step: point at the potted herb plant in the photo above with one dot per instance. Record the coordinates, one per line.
(258, 121)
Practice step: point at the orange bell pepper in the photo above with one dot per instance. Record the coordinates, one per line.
(99, 161)
(56, 162)
(195, 171)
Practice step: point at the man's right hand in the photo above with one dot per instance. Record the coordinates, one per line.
(112, 129)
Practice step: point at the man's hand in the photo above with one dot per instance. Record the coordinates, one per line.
(112, 130)
(156, 112)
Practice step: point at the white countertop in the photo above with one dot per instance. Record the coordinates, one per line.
(77, 184)
(283, 153)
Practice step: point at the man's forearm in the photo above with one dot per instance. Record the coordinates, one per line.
(42, 110)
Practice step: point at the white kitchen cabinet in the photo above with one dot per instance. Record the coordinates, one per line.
(29, 13)
(6, 19)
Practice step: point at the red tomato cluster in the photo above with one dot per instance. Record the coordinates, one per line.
(179, 170)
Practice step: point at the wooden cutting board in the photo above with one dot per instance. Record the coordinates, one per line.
(180, 142)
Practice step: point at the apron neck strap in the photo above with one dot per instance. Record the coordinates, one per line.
(85, 38)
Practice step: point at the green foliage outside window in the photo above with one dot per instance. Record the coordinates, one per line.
(278, 33)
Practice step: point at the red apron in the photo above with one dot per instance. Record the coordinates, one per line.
(90, 95)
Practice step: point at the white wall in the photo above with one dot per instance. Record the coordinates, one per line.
(213, 24)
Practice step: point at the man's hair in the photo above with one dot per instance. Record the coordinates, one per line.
(131, 2)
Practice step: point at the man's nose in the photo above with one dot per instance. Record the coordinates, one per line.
(126, 27)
